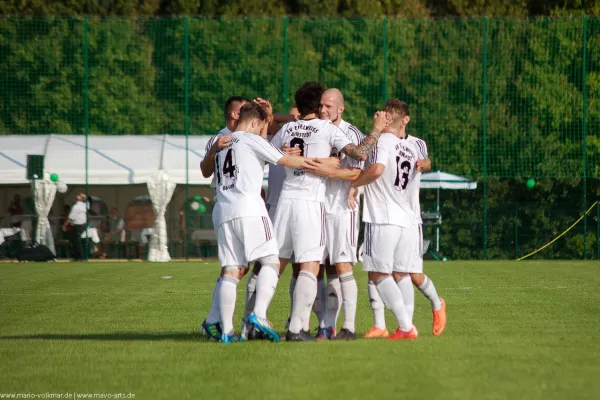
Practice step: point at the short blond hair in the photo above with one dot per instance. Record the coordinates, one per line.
(397, 108)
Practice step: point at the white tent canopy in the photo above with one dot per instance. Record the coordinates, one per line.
(112, 160)
(443, 180)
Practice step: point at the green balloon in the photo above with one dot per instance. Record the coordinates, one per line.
(196, 198)
(54, 177)
(201, 208)
(530, 183)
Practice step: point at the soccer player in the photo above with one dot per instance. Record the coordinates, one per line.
(300, 215)
(391, 233)
(275, 182)
(342, 227)
(244, 230)
(220, 140)
(407, 275)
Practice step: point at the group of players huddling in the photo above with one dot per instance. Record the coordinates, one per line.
(317, 162)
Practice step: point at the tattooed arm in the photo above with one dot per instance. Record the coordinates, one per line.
(361, 152)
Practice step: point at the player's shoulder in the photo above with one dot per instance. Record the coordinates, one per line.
(418, 144)
(353, 133)
(415, 140)
(286, 128)
(224, 131)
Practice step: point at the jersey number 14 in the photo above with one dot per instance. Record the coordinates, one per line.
(229, 169)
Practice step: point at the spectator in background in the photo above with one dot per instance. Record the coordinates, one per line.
(15, 210)
(77, 219)
(63, 218)
(114, 233)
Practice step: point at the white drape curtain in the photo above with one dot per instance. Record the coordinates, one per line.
(44, 192)
(161, 190)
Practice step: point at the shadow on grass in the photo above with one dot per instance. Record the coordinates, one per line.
(117, 336)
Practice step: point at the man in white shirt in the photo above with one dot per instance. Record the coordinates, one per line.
(220, 140)
(411, 273)
(244, 230)
(300, 215)
(342, 227)
(78, 218)
(393, 239)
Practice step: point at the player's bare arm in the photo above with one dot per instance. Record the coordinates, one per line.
(207, 165)
(331, 171)
(424, 165)
(367, 176)
(361, 152)
(295, 162)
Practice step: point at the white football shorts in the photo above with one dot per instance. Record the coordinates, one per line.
(243, 240)
(392, 248)
(342, 237)
(300, 229)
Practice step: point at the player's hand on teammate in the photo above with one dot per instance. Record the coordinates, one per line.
(353, 198)
(322, 166)
(292, 151)
(381, 120)
(222, 141)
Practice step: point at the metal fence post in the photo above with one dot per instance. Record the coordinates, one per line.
(186, 47)
(484, 129)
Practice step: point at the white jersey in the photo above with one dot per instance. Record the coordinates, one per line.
(336, 192)
(315, 138)
(211, 141)
(387, 198)
(414, 186)
(239, 175)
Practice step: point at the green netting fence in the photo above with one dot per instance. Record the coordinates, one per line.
(498, 100)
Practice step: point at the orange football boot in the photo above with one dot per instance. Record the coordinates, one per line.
(399, 334)
(375, 332)
(439, 319)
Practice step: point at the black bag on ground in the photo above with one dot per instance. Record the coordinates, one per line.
(11, 246)
(35, 252)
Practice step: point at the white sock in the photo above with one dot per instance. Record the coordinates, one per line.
(250, 295)
(291, 291)
(408, 294)
(214, 315)
(304, 297)
(377, 306)
(227, 295)
(320, 305)
(392, 298)
(349, 300)
(429, 291)
(265, 289)
(334, 300)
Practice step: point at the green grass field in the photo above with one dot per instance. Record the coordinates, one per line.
(526, 330)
